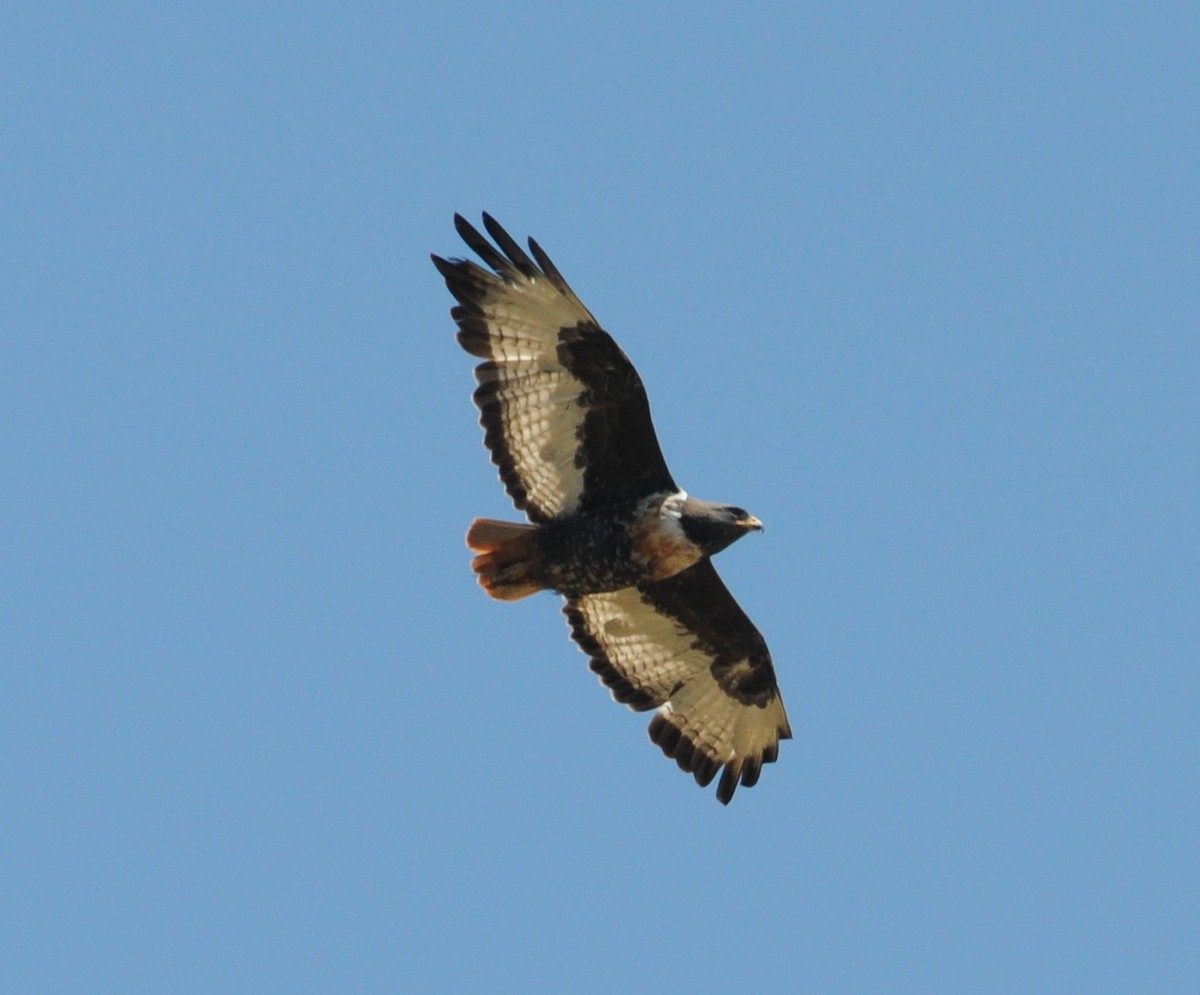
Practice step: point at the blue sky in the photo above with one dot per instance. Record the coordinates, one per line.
(917, 284)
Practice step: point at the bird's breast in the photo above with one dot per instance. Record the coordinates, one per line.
(660, 545)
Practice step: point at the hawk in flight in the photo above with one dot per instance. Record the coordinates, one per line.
(568, 424)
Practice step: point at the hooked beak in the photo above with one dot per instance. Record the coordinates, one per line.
(750, 523)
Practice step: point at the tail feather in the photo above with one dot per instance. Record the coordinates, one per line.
(507, 557)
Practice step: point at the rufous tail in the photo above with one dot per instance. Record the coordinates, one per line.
(507, 557)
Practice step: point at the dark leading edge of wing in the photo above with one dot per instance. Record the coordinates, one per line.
(530, 328)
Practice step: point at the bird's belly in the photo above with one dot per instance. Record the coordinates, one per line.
(589, 553)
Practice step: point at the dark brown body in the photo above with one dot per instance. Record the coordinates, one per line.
(585, 552)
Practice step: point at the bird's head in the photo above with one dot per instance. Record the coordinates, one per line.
(713, 526)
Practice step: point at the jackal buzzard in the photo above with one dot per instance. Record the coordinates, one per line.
(566, 419)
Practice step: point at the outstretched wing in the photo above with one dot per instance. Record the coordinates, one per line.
(564, 412)
(683, 646)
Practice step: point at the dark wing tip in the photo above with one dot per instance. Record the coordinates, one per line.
(665, 734)
(692, 759)
(728, 784)
(480, 245)
(548, 266)
(508, 245)
(751, 769)
(704, 769)
(509, 259)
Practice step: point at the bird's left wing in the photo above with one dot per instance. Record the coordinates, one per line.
(685, 647)
(564, 411)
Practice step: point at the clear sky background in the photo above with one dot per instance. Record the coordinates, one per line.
(917, 284)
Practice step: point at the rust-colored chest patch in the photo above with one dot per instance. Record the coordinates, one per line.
(660, 546)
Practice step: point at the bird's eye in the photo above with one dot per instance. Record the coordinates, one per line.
(739, 513)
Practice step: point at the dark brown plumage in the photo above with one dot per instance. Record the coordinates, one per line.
(567, 421)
